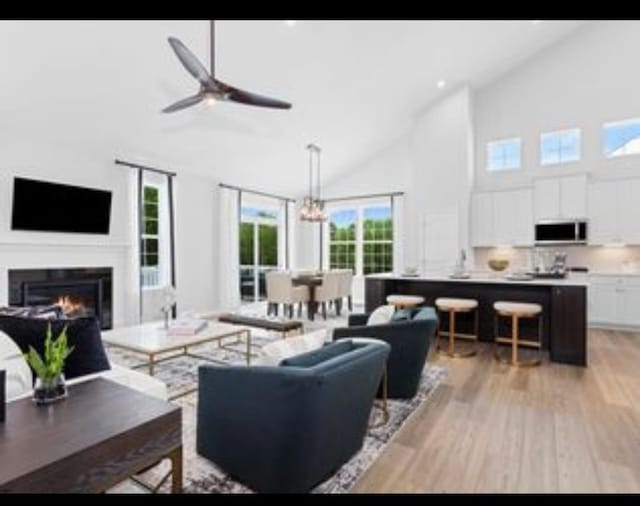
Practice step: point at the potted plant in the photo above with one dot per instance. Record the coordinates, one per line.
(50, 385)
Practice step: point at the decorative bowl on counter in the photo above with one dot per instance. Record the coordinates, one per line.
(498, 264)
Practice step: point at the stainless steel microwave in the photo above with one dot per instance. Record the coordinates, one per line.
(561, 232)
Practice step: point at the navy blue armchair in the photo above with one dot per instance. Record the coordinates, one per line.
(410, 339)
(286, 429)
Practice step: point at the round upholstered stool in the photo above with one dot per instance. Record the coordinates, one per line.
(517, 311)
(453, 306)
(404, 301)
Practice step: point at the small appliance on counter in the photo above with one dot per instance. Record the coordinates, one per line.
(550, 265)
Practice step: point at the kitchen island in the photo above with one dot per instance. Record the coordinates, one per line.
(563, 301)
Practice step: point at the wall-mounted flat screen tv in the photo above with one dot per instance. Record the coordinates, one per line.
(52, 207)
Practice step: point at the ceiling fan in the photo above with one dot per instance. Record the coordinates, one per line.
(212, 89)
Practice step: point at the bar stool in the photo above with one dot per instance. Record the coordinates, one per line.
(515, 311)
(404, 301)
(453, 306)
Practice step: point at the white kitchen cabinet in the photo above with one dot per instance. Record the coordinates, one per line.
(546, 196)
(628, 208)
(603, 302)
(523, 217)
(614, 212)
(502, 218)
(629, 300)
(603, 213)
(560, 198)
(614, 301)
(482, 220)
(573, 197)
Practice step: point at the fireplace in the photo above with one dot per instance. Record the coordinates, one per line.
(80, 291)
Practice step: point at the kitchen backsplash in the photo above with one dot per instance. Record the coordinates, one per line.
(595, 258)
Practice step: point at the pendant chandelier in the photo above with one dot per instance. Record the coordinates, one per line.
(312, 206)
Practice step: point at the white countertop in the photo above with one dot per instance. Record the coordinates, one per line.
(494, 278)
(614, 274)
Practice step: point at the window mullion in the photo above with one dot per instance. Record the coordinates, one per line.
(359, 240)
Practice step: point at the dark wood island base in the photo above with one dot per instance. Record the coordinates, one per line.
(564, 306)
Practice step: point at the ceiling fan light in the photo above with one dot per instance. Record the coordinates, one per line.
(210, 100)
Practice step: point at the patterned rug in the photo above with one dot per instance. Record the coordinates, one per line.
(202, 476)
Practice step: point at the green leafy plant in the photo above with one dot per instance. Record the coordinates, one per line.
(49, 368)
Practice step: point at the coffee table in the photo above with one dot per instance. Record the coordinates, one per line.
(282, 326)
(151, 339)
(94, 439)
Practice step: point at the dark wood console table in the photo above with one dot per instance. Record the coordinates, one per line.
(96, 438)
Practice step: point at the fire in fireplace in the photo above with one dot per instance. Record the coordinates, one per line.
(71, 306)
(80, 292)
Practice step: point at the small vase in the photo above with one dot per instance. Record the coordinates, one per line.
(46, 392)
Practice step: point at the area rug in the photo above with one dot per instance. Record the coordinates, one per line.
(202, 476)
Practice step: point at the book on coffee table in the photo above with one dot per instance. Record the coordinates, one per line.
(184, 327)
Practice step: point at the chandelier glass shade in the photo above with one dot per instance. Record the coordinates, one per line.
(313, 206)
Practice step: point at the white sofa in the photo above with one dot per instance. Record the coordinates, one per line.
(20, 380)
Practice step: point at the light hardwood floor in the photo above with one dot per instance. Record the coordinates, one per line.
(493, 428)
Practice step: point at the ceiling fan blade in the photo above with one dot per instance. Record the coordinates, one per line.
(244, 97)
(184, 103)
(190, 62)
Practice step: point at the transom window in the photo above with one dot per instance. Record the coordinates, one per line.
(621, 138)
(503, 155)
(560, 147)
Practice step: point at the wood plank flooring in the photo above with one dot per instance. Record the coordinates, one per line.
(493, 428)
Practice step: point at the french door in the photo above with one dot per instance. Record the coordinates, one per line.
(258, 251)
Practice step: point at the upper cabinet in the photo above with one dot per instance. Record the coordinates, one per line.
(560, 198)
(502, 218)
(482, 220)
(614, 208)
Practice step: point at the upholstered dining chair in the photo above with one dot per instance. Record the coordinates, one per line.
(329, 290)
(280, 290)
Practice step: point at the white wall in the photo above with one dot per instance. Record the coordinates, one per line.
(441, 146)
(196, 243)
(196, 227)
(39, 160)
(431, 164)
(586, 80)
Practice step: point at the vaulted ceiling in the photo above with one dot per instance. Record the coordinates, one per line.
(355, 87)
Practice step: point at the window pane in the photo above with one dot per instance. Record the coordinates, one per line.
(342, 255)
(149, 259)
(151, 211)
(151, 227)
(378, 223)
(268, 244)
(246, 244)
(503, 155)
(258, 212)
(560, 147)
(150, 194)
(150, 246)
(621, 138)
(342, 225)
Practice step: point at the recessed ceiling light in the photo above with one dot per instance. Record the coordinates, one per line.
(441, 83)
(291, 22)
(536, 21)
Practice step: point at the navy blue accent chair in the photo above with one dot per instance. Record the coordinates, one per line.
(288, 428)
(410, 334)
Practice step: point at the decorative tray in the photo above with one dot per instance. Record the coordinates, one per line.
(519, 277)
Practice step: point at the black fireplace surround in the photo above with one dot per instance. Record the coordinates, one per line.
(81, 292)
